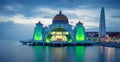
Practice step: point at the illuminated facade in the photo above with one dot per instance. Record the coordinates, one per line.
(59, 31)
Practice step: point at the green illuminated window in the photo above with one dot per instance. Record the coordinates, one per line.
(80, 36)
(48, 39)
(38, 34)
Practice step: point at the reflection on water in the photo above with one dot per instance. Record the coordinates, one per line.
(79, 53)
(76, 54)
(13, 51)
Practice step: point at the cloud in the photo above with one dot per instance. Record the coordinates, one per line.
(28, 8)
(4, 18)
(88, 11)
(116, 16)
(90, 18)
(46, 10)
(21, 19)
(13, 7)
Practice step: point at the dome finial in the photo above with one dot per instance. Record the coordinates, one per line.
(39, 22)
(79, 22)
(60, 12)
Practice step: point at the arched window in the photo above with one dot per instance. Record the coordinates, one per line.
(38, 34)
(80, 36)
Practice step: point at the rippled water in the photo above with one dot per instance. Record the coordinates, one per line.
(13, 51)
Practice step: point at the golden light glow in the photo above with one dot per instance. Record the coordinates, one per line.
(57, 33)
(59, 36)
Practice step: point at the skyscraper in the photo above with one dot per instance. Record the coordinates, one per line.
(102, 27)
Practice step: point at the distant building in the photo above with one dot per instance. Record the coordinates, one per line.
(91, 34)
(102, 25)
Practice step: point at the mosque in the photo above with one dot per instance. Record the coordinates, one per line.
(59, 31)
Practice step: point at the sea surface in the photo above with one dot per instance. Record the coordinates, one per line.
(14, 51)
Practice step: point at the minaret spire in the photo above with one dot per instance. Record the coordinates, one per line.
(102, 27)
(60, 12)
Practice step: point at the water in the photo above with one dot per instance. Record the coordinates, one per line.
(13, 51)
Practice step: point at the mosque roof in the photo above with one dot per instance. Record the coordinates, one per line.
(60, 18)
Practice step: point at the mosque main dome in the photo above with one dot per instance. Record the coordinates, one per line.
(60, 18)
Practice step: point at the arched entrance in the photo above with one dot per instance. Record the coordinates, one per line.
(59, 35)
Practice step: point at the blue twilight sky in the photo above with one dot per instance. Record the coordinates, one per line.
(18, 17)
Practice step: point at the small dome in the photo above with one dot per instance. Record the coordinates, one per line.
(60, 18)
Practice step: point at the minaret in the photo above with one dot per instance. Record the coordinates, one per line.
(38, 32)
(102, 27)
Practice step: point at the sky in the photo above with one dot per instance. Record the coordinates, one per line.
(18, 17)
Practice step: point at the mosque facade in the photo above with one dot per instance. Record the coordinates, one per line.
(59, 31)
